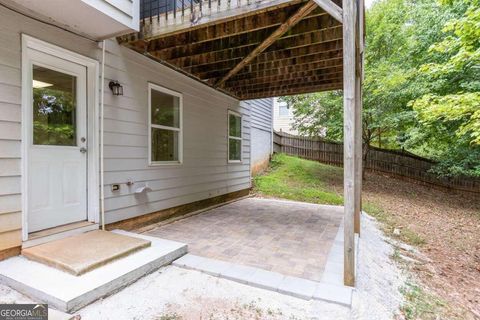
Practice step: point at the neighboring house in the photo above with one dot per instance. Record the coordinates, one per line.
(261, 134)
(283, 117)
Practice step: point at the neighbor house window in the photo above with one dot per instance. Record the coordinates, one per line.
(283, 109)
(234, 137)
(165, 125)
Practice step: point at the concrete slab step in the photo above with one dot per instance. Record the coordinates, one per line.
(68, 293)
(268, 280)
(84, 252)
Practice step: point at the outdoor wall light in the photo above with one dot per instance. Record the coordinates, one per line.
(116, 88)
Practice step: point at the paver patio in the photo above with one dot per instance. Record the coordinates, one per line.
(291, 238)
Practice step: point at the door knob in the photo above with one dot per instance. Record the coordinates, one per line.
(83, 150)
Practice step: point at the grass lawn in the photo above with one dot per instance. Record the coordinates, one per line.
(444, 226)
(302, 180)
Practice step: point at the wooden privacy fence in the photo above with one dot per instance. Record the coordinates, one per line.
(399, 163)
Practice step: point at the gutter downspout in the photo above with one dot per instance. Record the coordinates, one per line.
(271, 127)
(102, 94)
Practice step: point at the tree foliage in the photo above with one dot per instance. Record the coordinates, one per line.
(314, 112)
(422, 84)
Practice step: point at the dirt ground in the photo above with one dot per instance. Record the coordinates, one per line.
(445, 227)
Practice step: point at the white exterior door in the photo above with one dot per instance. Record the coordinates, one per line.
(57, 141)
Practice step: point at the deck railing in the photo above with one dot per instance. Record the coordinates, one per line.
(162, 16)
(156, 9)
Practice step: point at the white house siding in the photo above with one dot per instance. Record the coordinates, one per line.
(262, 122)
(204, 173)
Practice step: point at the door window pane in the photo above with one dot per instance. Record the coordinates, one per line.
(164, 145)
(54, 108)
(165, 109)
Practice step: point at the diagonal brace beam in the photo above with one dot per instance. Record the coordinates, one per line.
(282, 29)
(331, 8)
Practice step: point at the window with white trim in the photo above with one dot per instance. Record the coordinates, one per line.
(283, 109)
(165, 125)
(234, 137)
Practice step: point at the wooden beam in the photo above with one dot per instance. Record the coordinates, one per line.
(320, 38)
(358, 115)
(349, 112)
(284, 77)
(286, 86)
(272, 64)
(183, 48)
(283, 80)
(327, 51)
(292, 91)
(322, 56)
(293, 67)
(331, 8)
(265, 72)
(294, 19)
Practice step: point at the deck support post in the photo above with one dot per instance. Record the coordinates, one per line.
(351, 139)
(358, 114)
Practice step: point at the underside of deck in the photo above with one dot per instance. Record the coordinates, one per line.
(271, 48)
(290, 48)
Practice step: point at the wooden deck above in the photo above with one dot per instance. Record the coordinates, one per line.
(284, 48)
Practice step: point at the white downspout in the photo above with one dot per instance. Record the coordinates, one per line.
(271, 126)
(102, 94)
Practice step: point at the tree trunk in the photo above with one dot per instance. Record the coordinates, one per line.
(364, 162)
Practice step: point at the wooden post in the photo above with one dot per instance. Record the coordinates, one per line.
(358, 114)
(349, 145)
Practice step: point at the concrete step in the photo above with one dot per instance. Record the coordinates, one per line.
(84, 252)
(268, 280)
(68, 293)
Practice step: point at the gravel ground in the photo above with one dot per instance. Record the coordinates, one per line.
(378, 278)
(173, 293)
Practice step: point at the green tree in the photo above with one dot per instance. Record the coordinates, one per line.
(318, 112)
(420, 55)
(449, 115)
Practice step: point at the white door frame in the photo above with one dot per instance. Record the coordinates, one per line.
(91, 65)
